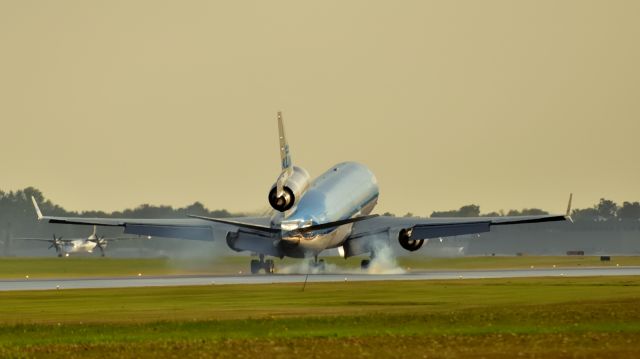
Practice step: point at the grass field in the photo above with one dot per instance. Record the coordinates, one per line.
(533, 317)
(14, 268)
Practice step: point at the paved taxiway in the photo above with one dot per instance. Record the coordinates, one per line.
(142, 281)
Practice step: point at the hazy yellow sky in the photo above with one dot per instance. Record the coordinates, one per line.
(110, 104)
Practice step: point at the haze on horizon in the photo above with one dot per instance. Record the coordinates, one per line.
(107, 105)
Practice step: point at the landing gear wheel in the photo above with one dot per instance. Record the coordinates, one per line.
(255, 266)
(321, 265)
(364, 264)
(258, 264)
(269, 266)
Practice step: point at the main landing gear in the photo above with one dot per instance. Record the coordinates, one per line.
(364, 264)
(257, 264)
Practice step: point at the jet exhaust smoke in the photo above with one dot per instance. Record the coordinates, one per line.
(383, 262)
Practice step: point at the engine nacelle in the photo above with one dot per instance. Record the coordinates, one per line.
(404, 237)
(294, 187)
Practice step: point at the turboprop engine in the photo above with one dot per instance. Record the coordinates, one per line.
(293, 183)
(404, 237)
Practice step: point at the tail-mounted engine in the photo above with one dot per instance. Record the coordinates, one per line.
(404, 237)
(294, 186)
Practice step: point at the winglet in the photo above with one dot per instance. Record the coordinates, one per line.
(568, 214)
(35, 205)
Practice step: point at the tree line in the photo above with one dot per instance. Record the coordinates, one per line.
(17, 216)
(604, 211)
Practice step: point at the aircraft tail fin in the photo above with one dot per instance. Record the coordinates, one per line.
(285, 156)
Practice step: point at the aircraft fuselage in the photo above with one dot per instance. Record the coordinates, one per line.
(346, 190)
(77, 246)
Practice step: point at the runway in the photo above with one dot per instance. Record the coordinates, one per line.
(129, 282)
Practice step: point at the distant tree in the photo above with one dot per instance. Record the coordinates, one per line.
(95, 214)
(149, 211)
(389, 214)
(471, 210)
(491, 214)
(606, 209)
(533, 212)
(527, 212)
(584, 215)
(196, 208)
(31, 191)
(17, 212)
(629, 211)
(408, 214)
(222, 213)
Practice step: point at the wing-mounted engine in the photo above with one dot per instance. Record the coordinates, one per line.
(404, 237)
(289, 188)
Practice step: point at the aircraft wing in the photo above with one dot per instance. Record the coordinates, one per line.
(425, 228)
(42, 239)
(33, 239)
(187, 228)
(126, 238)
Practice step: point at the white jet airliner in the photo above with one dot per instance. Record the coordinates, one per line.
(311, 215)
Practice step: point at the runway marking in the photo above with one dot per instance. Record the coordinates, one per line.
(130, 282)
